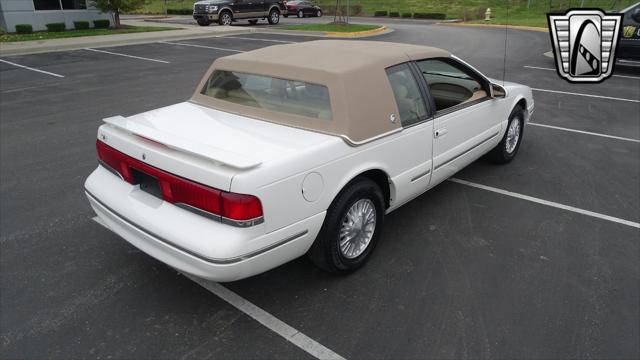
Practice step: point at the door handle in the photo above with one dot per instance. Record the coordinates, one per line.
(440, 132)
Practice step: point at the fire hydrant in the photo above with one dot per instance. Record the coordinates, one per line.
(487, 15)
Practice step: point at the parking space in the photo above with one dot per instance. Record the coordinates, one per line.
(462, 271)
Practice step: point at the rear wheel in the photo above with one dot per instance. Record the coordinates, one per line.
(253, 22)
(351, 228)
(274, 17)
(203, 22)
(508, 147)
(300, 14)
(225, 18)
(319, 13)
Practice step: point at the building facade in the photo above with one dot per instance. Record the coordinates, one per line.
(38, 13)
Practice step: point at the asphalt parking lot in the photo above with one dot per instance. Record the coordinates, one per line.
(483, 268)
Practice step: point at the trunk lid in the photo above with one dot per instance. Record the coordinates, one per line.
(203, 144)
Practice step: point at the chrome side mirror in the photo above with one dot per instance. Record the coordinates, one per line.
(498, 91)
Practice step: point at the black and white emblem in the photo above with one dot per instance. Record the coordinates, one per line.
(584, 44)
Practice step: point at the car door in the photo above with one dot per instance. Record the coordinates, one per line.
(413, 146)
(465, 125)
(308, 8)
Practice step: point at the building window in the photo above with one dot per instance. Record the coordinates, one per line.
(46, 4)
(74, 4)
(55, 4)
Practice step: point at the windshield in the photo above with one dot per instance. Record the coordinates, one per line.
(265, 92)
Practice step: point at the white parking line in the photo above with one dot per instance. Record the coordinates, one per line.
(125, 55)
(32, 69)
(200, 46)
(548, 203)
(271, 322)
(259, 39)
(585, 132)
(587, 95)
(552, 69)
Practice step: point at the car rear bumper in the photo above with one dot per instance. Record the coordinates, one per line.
(189, 242)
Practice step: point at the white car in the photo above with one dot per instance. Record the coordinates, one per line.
(270, 160)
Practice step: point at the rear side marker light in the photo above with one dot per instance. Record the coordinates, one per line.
(236, 209)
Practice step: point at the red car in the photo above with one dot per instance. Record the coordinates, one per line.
(302, 8)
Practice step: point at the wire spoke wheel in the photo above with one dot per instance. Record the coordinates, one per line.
(357, 228)
(513, 135)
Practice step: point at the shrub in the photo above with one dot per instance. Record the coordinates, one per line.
(435, 16)
(381, 13)
(81, 25)
(56, 27)
(179, 11)
(473, 13)
(407, 15)
(2, 31)
(356, 10)
(24, 28)
(101, 24)
(394, 14)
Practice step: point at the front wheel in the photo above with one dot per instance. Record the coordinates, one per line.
(319, 13)
(508, 147)
(225, 18)
(300, 14)
(351, 228)
(274, 17)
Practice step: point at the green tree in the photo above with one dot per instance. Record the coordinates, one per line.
(117, 7)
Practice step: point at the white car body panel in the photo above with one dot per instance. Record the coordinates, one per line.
(271, 161)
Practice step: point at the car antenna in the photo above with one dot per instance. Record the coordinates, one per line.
(506, 33)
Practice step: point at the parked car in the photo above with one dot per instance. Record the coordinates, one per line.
(629, 46)
(225, 12)
(302, 9)
(268, 162)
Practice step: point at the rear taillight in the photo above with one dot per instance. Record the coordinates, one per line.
(178, 190)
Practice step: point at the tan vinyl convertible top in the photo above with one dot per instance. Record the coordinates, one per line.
(362, 100)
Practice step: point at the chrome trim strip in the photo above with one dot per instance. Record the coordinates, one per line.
(219, 218)
(357, 143)
(224, 261)
(110, 169)
(421, 175)
(466, 151)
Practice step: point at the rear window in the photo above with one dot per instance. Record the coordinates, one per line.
(269, 93)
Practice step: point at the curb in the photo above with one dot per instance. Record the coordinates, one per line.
(358, 34)
(327, 34)
(112, 42)
(6, 50)
(498, 26)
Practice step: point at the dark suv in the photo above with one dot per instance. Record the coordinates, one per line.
(227, 11)
(629, 45)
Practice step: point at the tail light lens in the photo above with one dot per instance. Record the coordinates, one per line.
(178, 190)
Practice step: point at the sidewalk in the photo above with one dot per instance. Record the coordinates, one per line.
(183, 31)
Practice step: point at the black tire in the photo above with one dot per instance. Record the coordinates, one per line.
(274, 17)
(253, 22)
(300, 14)
(319, 13)
(203, 22)
(225, 18)
(325, 251)
(501, 154)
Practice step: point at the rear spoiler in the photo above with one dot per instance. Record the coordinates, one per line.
(189, 147)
